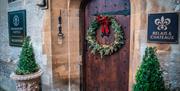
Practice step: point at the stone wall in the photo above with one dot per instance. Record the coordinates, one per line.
(35, 17)
(66, 56)
(169, 54)
(5, 81)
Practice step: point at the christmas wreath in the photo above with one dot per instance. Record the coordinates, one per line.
(104, 22)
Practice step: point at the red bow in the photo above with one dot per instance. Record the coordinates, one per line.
(104, 21)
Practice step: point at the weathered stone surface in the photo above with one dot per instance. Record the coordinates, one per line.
(168, 53)
(6, 68)
(34, 28)
(35, 18)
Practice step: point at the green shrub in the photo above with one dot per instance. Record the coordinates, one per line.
(27, 63)
(149, 76)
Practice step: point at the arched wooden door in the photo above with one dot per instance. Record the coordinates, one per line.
(110, 73)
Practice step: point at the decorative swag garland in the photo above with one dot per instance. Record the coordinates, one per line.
(104, 22)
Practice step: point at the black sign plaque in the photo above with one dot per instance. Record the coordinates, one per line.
(163, 28)
(17, 27)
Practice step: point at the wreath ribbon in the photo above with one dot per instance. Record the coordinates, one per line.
(104, 21)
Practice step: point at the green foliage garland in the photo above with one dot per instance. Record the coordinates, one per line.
(149, 76)
(104, 50)
(27, 63)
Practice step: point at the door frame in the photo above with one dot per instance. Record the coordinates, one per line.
(83, 43)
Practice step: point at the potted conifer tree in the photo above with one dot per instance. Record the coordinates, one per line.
(149, 76)
(27, 74)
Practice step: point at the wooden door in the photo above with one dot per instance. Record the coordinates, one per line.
(110, 73)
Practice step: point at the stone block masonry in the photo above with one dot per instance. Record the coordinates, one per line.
(5, 70)
(34, 26)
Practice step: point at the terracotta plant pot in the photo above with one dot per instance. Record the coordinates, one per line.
(28, 82)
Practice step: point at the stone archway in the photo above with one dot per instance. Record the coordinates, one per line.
(132, 65)
(139, 12)
(136, 5)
